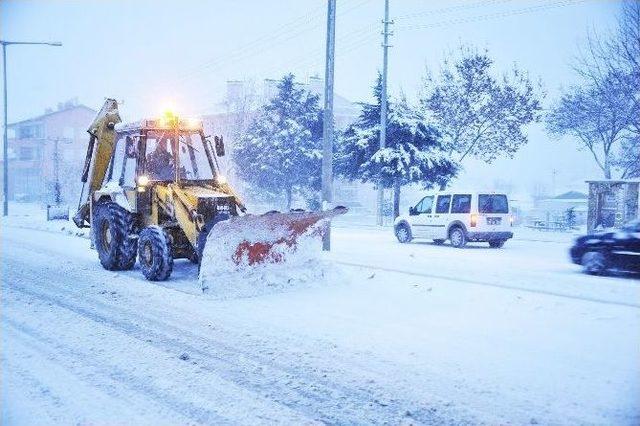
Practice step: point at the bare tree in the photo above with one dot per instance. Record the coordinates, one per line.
(628, 159)
(479, 114)
(603, 113)
(597, 117)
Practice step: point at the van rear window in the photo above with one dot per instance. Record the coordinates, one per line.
(493, 203)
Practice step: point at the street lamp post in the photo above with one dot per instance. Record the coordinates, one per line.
(5, 151)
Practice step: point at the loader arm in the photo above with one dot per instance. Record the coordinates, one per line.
(183, 209)
(99, 153)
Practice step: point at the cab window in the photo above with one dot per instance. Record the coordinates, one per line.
(123, 169)
(159, 159)
(425, 205)
(443, 203)
(461, 203)
(193, 159)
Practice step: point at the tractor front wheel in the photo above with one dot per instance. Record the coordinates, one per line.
(112, 232)
(154, 253)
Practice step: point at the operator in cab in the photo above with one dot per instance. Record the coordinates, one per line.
(160, 165)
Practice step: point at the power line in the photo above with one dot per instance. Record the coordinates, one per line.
(452, 22)
(351, 45)
(450, 9)
(258, 46)
(263, 44)
(347, 44)
(530, 9)
(315, 56)
(310, 58)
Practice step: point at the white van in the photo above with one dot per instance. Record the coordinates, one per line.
(459, 217)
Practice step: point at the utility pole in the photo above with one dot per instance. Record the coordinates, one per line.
(327, 122)
(56, 172)
(383, 103)
(5, 143)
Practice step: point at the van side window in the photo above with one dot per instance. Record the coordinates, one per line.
(443, 203)
(425, 205)
(461, 203)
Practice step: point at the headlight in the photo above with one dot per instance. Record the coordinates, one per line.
(221, 179)
(143, 180)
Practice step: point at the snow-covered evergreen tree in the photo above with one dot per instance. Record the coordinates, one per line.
(570, 217)
(413, 152)
(281, 151)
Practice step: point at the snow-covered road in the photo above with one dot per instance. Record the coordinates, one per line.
(411, 334)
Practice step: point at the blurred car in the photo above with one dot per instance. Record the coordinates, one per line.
(612, 250)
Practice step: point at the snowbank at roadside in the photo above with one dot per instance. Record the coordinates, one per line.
(34, 216)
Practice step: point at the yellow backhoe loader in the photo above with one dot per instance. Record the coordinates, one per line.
(155, 192)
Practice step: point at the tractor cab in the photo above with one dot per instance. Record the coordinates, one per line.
(164, 150)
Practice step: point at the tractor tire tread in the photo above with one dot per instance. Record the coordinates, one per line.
(162, 258)
(122, 255)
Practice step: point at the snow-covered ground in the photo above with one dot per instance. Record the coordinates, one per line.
(404, 334)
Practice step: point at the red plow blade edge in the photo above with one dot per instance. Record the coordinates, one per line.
(269, 238)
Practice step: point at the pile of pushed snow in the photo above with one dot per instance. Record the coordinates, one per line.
(224, 275)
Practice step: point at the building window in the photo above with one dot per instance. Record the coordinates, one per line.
(68, 155)
(26, 153)
(31, 131)
(68, 132)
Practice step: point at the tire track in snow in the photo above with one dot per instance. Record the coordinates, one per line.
(37, 389)
(489, 284)
(329, 402)
(69, 357)
(211, 362)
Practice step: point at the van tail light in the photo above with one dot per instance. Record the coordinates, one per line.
(474, 220)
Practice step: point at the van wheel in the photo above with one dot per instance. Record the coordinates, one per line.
(594, 263)
(403, 233)
(496, 243)
(438, 242)
(457, 237)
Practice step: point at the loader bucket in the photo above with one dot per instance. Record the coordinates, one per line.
(252, 240)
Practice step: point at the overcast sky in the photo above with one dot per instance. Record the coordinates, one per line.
(155, 53)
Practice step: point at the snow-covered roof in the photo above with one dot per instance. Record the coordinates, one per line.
(571, 195)
(49, 114)
(613, 181)
(566, 200)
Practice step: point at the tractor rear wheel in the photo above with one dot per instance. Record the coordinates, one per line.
(154, 253)
(112, 232)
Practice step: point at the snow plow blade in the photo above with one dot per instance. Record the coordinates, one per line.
(252, 240)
